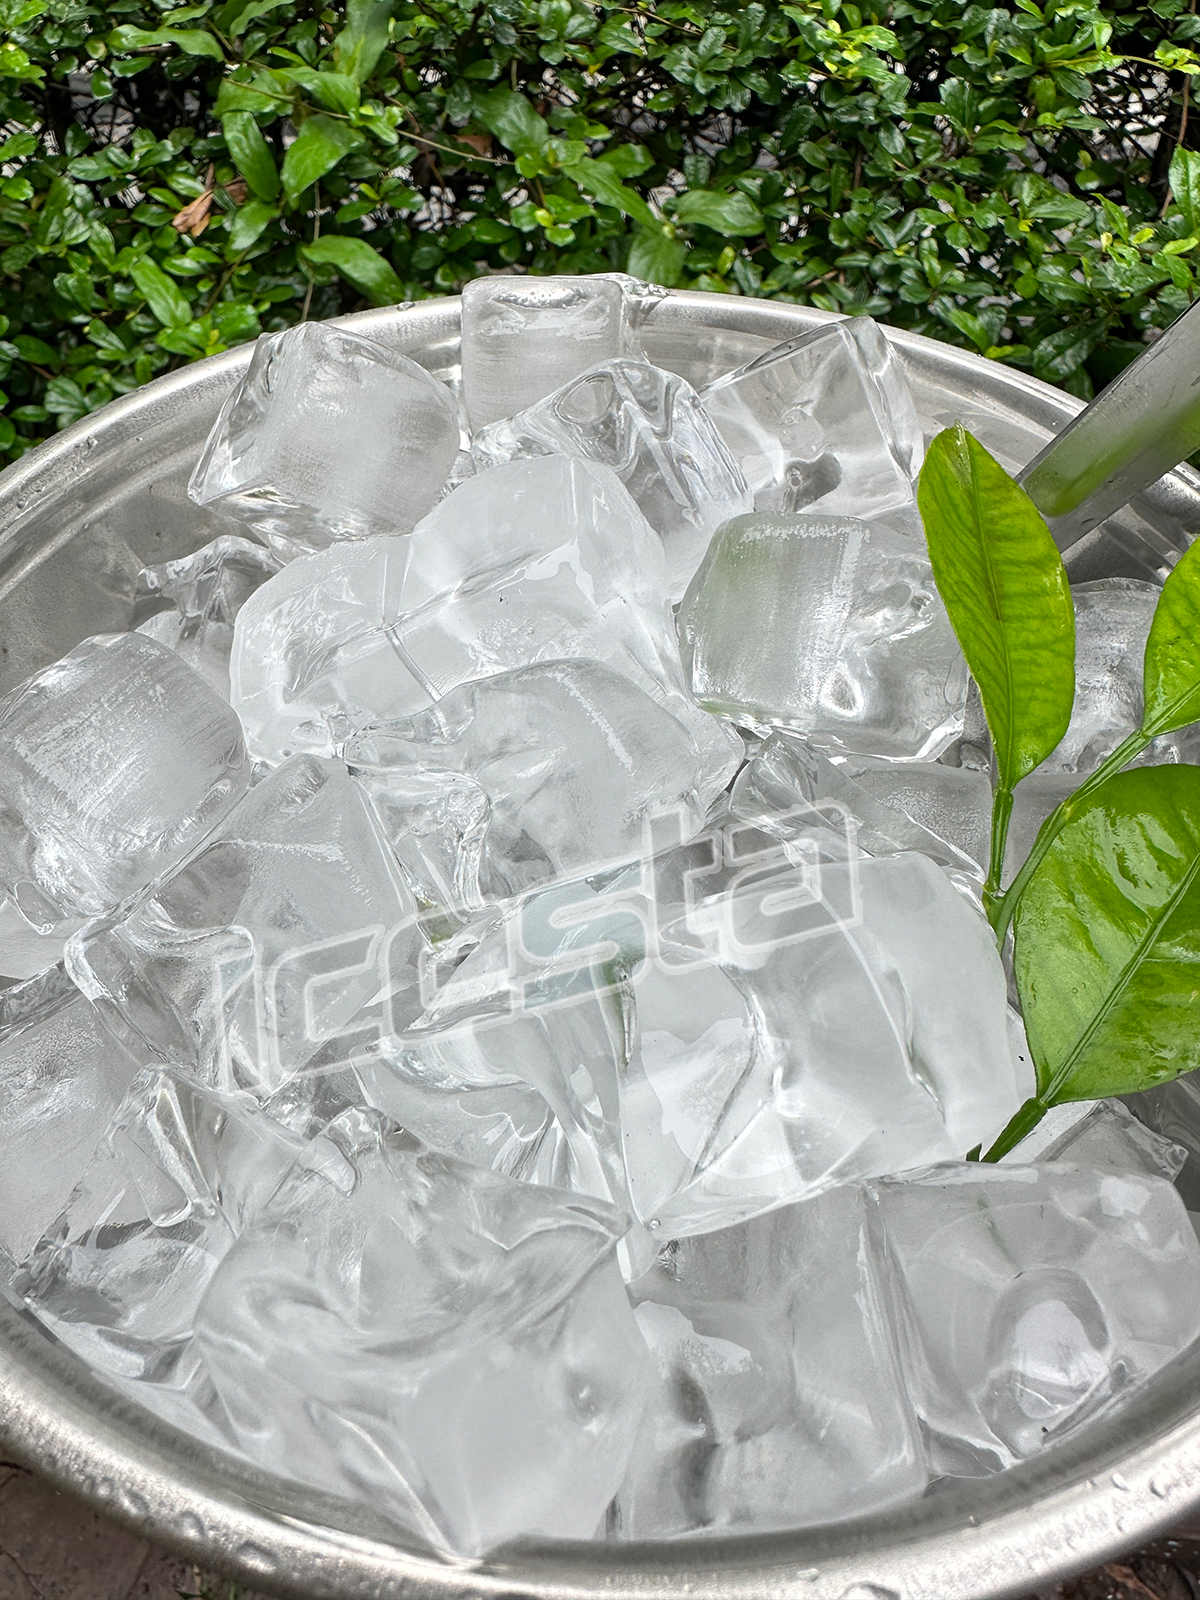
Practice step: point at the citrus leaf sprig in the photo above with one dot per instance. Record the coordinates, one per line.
(1105, 912)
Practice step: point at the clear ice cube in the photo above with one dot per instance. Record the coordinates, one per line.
(1112, 622)
(523, 338)
(1102, 1136)
(114, 764)
(537, 561)
(828, 627)
(61, 1079)
(823, 423)
(328, 436)
(570, 757)
(248, 960)
(451, 1347)
(190, 605)
(650, 428)
(749, 1086)
(1032, 1297)
(176, 1177)
(779, 1401)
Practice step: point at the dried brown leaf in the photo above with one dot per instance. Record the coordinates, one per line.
(194, 217)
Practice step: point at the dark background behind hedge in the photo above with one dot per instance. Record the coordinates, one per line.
(176, 179)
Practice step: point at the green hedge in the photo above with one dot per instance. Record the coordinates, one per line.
(176, 178)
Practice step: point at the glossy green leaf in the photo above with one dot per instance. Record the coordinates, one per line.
(732, 213)
(1004, 585)
(192, 41)
(233, 19)
(601, 181)
(1185, 186)
(1107, 950)
(1172, 673)
(513, 120)
(358, 264)
(165, 299)
(657, 256)
(335, 91)
(316, 150)
(359, 45)
(251, 154)
(248, 223)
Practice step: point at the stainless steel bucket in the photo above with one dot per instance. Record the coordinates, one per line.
(77, 518)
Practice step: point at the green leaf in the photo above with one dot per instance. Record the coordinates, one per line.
(316, 150)
(732, 213)
(513, 120)
(233, 20)
(248, 222)
(1172, 672)
(1185, 186)
(657, 256)
(165, 299)
(600, 180)
(1004, 585)
(333, 90)
(251, 154)
(192, 41)
(358, 264)
(36, 351)
(358, 47)
(1107, 947)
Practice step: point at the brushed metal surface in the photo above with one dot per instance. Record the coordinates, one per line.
(77, 518)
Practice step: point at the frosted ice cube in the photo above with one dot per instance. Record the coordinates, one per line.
(196, 599)
(114, 763)
(1032, 1296)
(249, 959)
(650, 428)
(175, 1179)
(779, 1401)
(826, 626)
(455, 1349)
(524, 337)
(823, 423)
(570, 757)
(328, 436)
(855, 1024)
(1112, 622)
(537, 561)
(61, 1079)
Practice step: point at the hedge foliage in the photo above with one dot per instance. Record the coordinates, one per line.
(175, 178)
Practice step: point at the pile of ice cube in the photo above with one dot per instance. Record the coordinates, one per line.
(497, 997)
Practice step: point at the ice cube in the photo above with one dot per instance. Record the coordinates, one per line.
(1112, 622)
(570, 758)
(829, 627)
(779, 1401)
(1102, 1136)
(512, 1054)
(190, 605)
(114, 764)
(175, 1179)
(1172, 1110)
(883, 806)
(328, 436)
(537, 561)
(853, 1024)
(250, 958)
(522, 338)
(61, 1079)
(1034, 798)
(451, 1347)
(650, 428)
(25, 953)
(824, 422)
(1033, 1296)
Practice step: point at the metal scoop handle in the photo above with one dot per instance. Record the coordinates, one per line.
(1144, 423)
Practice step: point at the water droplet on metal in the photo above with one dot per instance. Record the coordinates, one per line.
(1159, 1488)
(808, 1574)
(869, 1591)
(190, 1526)
(1118, 1482)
